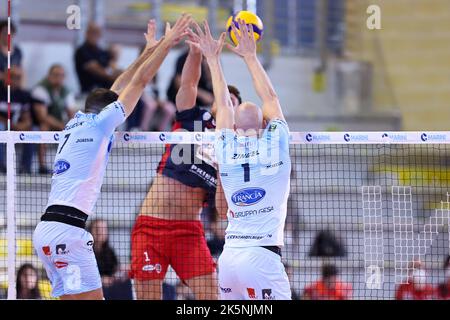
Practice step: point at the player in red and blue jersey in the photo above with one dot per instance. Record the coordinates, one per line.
(168, 230)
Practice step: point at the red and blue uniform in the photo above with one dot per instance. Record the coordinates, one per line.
(158, 243)
(194, 173)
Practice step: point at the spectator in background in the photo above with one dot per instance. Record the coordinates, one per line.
(443, 290)
(27, 282)
(205, 97)
(21, 115)
(92, 62)
(114, 52)
(329, 287)
(16, 53)
(290, 273)
(417, 287)
(58, 106)
(115, 285)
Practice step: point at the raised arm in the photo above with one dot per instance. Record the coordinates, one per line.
(145, 73)
(264, 88)
(190, 77)
(211, 49)
(121, 82)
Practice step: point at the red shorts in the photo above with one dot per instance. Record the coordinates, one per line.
(158, 243)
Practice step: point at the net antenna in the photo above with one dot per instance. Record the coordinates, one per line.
(407, 247)
(373, 236)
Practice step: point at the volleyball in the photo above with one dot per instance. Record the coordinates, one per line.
(250, 18)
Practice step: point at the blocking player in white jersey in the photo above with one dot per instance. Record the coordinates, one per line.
(60, 239)
(255, 167)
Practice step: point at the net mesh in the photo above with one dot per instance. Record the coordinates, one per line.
(372, 211)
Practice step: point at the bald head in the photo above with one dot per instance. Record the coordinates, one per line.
(248, 116)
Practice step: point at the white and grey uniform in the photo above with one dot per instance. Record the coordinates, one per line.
(255, 175)
(80, 163)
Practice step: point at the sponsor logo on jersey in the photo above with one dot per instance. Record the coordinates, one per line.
(273, 127)
(61, 264)
(207, 116)
(278, 164)
(209, 179)
(225, 290)
(84, 140)
(90, 245)
(47, 251)
(60, 167)
(76, 124)
(243, 214)
(248, 197)
(237, 156)
(152, 267)
(61, 249)
(267, 294)
(247, 237)
(251, 293)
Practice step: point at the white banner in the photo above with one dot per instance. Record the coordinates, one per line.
(304, 138)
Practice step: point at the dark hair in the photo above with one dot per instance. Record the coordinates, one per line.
(34, 293)
(447, 262)
(91, 227)
(55, 66)
(329, 270)
(98, 99)
(236, 92)
(4, 24)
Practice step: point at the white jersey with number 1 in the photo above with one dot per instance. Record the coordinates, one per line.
(255, 176)
(82, 156)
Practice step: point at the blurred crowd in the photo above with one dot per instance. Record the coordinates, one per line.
(49, 104)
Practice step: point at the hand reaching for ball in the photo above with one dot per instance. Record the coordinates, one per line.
(246, 40)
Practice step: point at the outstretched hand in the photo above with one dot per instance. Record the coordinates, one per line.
(246, 40)
(179, 30)
(204, 41)
(150, 36)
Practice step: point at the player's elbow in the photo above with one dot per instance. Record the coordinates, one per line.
(271, 97)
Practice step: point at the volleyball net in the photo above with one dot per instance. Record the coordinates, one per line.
(367, 209)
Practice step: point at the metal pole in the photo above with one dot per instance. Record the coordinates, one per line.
(84, 19)
(292, 25)
(156, 13)
(244, 4)
(213, 6)
(269, 25)
(11, 218)
(322, 32)
(99, 13)
(15, 13)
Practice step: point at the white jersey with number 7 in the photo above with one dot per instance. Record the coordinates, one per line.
(82, 156)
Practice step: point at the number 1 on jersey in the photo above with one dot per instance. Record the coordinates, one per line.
(246, 167)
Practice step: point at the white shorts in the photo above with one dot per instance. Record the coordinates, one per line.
(68, 257)
(253, 273)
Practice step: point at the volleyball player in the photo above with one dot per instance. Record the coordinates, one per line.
(60, 239)
(168, 230)
(255, 169)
